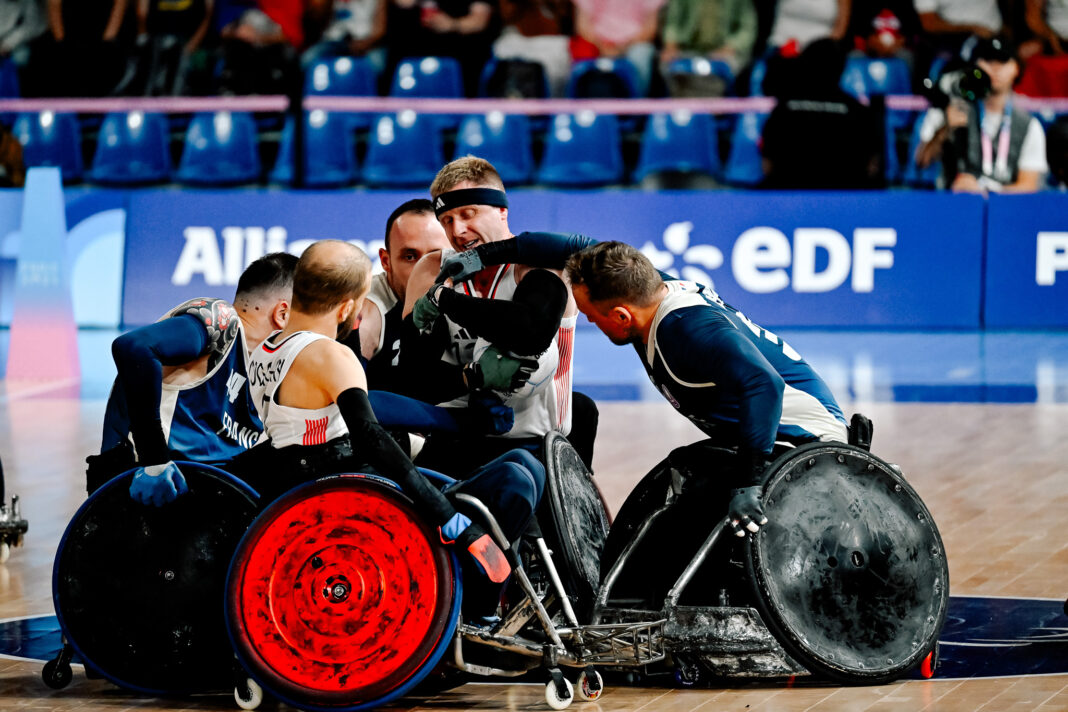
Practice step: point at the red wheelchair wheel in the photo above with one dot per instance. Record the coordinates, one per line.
(339, 596)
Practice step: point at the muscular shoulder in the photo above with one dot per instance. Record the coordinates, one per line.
(219, 319)
(329, 367)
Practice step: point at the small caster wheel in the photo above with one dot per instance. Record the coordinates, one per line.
(590, 686)
(250, 697)
(57, 674)
(554, 698)
(685, 678)
(929, 664)
(5, 552)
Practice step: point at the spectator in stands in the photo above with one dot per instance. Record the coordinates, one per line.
(260, 40)
(948, 25)
(85, 53)
(170, 38)
(356, 28)
(818, 136)
(991, 145)
(461, 29)
(1057, 152)
(21, 21)
(618, 28)
(1045, 57)
(538, 31)
(800, 22)
(886, 28)
(717, 29)
(12, 168)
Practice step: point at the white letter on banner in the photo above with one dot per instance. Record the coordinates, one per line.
(867, 255)
(276, 239)
(1052, 257)
(200, 254)
(255, 242)
(233, 252)
(807, 240)
(758, 248)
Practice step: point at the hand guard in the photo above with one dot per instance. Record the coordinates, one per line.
(459, 266)
(158, 484)
(490, 414)
(488, 557)
(426, 310)
(497, 371)
(745, 511)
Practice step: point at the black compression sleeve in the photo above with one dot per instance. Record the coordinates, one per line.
(524, 325)
(421, 373)
(374, 444)
(535, 249)
(140, 356)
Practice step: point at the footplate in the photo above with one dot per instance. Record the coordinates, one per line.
(637, 643)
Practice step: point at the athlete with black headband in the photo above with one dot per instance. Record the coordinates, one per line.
(511, 326)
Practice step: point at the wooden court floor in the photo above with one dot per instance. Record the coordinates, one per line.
(995, 477)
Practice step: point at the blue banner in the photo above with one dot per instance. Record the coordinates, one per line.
(1027, 261)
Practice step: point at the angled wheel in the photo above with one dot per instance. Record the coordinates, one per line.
(850, 573)
(138, 589)
(339, 597)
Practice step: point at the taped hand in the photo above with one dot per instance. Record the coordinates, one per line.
(745, 511)
(158, 484)
(459, 266)
(498, 371)
(489, 558)
(426, 310)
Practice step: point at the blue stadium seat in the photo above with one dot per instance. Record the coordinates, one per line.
(496, 82)
(503, 140)
(9, 87)
(914, 176)
(744, 166)
(603, 78)
(864, 77)
(403, 150)
(221, 148)
(132, 149)
(430, 77)
(756, 77)
(343, 76)
(681, 142)
(329, 151)
(702, 67)
(51, 139)
(582, 150)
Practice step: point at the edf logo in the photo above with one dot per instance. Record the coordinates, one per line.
(1051, 257)
(763, 259)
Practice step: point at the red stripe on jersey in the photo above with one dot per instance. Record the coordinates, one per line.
(497, 280)
(565, 340)
(315, 431)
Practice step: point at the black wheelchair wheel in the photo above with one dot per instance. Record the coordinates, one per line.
(850, 573)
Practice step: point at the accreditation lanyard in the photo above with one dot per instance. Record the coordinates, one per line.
(1004, 132)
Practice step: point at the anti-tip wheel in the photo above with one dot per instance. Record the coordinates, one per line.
(57, 675)
(5, 552)
(552, 695)
(590, 687)
(250, 697)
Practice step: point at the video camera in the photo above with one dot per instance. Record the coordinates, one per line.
(969, 83)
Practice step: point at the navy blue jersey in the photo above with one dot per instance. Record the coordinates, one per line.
(720, 370)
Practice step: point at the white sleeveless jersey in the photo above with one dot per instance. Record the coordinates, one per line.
(285, 425)
(382, 296)
(544, 403)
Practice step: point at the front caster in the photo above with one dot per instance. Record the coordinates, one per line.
(590, 685)
(559, 692)
(57, 673)
(249, 694)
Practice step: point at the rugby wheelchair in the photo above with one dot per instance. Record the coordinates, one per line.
(337, 597)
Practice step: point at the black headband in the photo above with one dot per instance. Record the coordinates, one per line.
(469, 196)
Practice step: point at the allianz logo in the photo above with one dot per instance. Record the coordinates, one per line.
(764, 259)
(221, 262)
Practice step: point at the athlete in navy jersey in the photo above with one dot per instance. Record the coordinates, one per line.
(739, 383)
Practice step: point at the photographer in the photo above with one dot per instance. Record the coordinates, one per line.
(986, 144)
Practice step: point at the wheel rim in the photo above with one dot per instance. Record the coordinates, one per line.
(338, 594)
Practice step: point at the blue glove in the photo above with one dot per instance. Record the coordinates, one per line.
(745, 510)
(459, 266)
(491, 415)
(426, 310)
(489, 559)
(158, 484)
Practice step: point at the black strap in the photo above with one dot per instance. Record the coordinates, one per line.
(469, 196)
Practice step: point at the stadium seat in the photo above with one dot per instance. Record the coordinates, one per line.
(430, 77)
(865, 77)
(132, 149)
(582, 150)
(403, 150)
(699, 76)
(744, 166)
(680, 142)
(603, 78)
(513, 79)
(9, 87)
(51, 139)
(342, 76)
(914, 176)
(503, 140)
(329, 151)
(220, 149)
